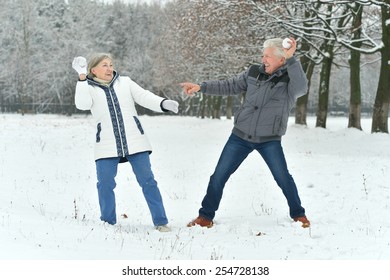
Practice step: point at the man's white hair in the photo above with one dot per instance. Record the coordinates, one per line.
(277, 44)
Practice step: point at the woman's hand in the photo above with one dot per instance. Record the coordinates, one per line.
(80, 65)
(170, 105)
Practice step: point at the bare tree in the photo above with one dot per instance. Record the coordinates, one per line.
(382, 100)
(22, 54)
(215, 40)
(308, 66)
(354, 62)
(328, 27)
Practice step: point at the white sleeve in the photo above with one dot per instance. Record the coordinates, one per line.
(82, 98)
(145, 98)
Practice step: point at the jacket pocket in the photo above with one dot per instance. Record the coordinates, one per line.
(99, 129)
(277, 125)
(138, 123)
(280, 126)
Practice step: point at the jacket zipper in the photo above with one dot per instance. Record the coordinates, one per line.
(117, 122)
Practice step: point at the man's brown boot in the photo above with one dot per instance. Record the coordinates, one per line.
(201, 221)
(305, 222)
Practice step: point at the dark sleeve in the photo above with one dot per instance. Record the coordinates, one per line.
(232, 86)
(298, 84)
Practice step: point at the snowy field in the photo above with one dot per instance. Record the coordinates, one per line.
(49, 207)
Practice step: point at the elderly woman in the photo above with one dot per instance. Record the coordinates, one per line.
(120, 136)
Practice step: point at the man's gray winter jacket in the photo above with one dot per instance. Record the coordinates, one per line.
(268, 101)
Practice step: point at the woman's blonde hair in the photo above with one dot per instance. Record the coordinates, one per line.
(277, 44)
(94, 60)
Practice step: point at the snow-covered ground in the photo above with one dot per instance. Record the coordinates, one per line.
(49, 207)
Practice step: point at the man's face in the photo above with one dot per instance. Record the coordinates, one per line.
(271, 61)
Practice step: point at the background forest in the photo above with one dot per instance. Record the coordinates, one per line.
(344, 47)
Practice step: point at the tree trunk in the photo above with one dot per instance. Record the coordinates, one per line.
(217, 103)
(382, 99)
(190, 110)
(354, 62)
(323, 91)
(209, 106)
(202, 106)
(229, 107)
(2, 97)
(308, 67)
(206, 106)
(301, 106)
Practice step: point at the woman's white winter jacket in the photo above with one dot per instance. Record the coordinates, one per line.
(118, 129)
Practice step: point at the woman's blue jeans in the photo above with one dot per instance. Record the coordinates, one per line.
(106, 172)
(233, 154)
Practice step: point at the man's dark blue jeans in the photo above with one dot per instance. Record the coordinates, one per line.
(233, 154)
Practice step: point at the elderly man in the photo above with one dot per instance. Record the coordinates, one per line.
(271, 91)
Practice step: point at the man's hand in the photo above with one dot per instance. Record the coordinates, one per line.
(290, 52)
(190, 88)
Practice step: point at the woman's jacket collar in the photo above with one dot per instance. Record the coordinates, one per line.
(96, 83)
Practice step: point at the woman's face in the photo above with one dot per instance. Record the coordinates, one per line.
(104, 70)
